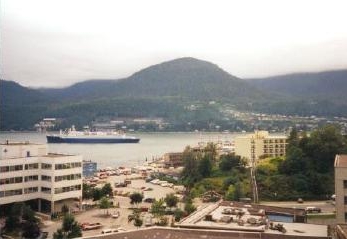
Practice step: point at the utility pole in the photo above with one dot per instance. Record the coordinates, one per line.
(253, 178)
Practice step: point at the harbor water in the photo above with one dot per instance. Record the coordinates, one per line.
(151, 146)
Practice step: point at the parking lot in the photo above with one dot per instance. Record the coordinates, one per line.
(104, 216)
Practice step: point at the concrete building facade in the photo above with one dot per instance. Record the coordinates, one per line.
(260, 144)
(29, 173)
(173, 159)
(341, 188)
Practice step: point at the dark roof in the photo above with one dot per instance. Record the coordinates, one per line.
(179, 233)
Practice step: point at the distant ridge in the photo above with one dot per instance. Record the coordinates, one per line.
(168, 89)
(184, 77)
(327, 85)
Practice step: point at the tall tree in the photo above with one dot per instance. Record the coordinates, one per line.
(205, 166)
(69, 229)
(104, 204)
(171, 200)
(211, 151)
(107, 190)
(322, 147)
(229, 161)
(158, 208)
(135, 217)
(190, 173)
(136, 198)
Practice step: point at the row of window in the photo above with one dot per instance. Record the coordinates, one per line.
(31, 166)
(46, 190)
(36, 178)
(11, 180)
(68, 177)
(275, 146)
(31, 178)
(68, 165)
(29, 190)
(15, 192)
(12, 168)
(19, 179)
(46, 166)
(9, 193)
(67, 189)
(46, 178)
(274, 141)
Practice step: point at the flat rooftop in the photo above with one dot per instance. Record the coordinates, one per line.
(235, 216)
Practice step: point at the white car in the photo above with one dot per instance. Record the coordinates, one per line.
(115, 215)
(108, 231)
(155, 181)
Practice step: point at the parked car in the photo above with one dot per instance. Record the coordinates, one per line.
(108, 230)
(148, 221)
(90, 226)
(120, 185)
(313, 210)
(115, 215)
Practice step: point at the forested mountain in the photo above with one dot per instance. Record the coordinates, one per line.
(167, 90)
(186, 78)
(20, 106)
(328, 85)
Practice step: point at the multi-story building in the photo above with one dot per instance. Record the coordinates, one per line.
(260, 144)
(341, 188)
(28, 173)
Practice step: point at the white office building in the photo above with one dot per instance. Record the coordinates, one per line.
(28, 173)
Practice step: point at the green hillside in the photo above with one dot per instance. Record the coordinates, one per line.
(165, 90)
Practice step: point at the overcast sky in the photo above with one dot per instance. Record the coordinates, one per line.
(57, 43)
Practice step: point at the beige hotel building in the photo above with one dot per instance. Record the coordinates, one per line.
(28, 173)
(260, 144)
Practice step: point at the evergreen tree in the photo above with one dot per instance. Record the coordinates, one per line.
(136, 198)
(107, 190)
(171, 200)
(104, 204)
(70, 228)
(205, 166)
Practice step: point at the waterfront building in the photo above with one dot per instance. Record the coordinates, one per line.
(341, 188)
(173, 159)
(28, 173)
(46, 124)
(89, 168)
(260, 144)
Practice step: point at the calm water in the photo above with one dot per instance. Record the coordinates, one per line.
(152, 145)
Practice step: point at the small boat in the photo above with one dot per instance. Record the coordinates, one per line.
(90, 137)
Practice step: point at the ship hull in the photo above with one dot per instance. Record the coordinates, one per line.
(76, 140)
